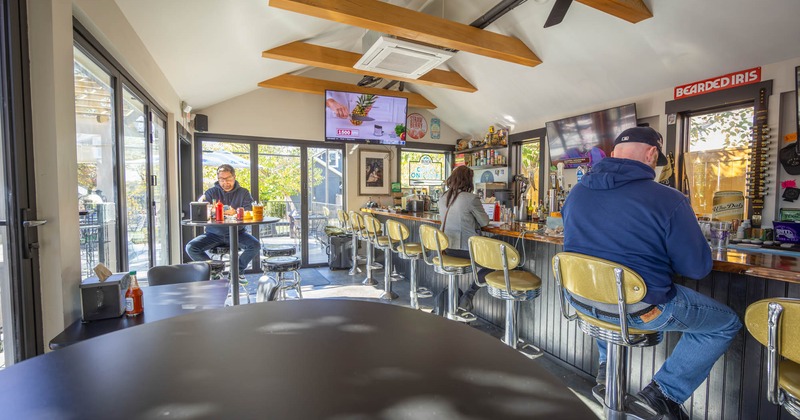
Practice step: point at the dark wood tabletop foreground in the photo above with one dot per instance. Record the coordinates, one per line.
(776, 267)
(301, 359)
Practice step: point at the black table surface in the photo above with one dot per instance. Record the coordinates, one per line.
(160, 302)
(303, 359)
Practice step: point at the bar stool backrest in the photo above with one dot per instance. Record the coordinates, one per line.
(373, 226)
(786, 318)
(342, 219)
(356, 223)
(488, 253)
(596, 279)
(397, 232)
(434, 240)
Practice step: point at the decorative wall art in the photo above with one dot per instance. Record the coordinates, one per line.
(373, 175)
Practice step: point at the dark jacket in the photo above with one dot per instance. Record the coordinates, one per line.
(237, 197)
(619, 213)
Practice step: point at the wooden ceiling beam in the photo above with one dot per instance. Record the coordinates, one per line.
(316, 86)
(340, 60)
(634, 11)
(415, 26)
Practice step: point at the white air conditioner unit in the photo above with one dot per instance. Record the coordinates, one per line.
(401, 58)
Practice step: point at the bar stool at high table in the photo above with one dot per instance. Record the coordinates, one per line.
(383, 243)
(220, 269)
(398, 233)
(281, 260)
(434, 240)
(774, 323)
(513, 286)
(360, 231)
(607, 282)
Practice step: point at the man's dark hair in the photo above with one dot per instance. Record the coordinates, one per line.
(226, 168)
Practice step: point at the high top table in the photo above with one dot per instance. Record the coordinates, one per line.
(233, 233)
(299, 359)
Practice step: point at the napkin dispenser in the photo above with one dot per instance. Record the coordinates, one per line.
(198, 211)
(103, 300)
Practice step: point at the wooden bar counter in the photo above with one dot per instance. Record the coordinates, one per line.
(735, 388)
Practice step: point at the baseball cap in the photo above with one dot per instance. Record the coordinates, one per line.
(645, 135)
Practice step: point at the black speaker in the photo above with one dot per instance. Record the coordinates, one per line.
(200, 122)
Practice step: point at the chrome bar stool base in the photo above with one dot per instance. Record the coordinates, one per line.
(634, 409)
(369, 280)
(389, 295)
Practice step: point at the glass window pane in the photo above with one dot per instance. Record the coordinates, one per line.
(279, 178)
(324, 198)
(529, 167)
(97, 196)
(135, 155)
(216, 153)
(718, 157)
(158, 168)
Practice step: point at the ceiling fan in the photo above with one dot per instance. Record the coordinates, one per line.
(557, 13)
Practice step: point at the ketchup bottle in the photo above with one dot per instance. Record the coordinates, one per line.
(496, 211)
(219, 216)
(134, 302)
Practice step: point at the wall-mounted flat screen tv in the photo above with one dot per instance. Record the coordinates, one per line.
(586, 139)
(364, 118)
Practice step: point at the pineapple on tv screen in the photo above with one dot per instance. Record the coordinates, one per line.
(365, 118)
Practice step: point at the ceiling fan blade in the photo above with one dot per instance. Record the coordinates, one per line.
(558, 13)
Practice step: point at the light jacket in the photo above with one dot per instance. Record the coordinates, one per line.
(464, 220)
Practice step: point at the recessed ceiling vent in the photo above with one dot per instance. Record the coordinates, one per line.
(396, 57)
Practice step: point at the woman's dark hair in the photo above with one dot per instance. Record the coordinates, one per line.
(460, 180)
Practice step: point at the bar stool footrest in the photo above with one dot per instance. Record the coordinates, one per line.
(462, 316)
(528, 350)
(634, 409)
(424, 292)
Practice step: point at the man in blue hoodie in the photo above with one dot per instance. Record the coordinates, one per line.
(230, 193)
(619, 213)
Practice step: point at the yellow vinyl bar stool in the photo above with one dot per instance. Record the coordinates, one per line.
(435, 241)
(360, 233)
(398, 233)
(342, 216)
(607, 282)
(775, 323)
(383, 243)
(513, 286)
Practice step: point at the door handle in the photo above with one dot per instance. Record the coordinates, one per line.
(27, 245)
(33, 223)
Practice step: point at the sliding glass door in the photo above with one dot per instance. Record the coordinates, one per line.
(301, 185)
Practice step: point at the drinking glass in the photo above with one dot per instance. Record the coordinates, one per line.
(719, 234)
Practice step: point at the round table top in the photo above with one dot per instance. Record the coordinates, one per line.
(265, 220)
(304, 359)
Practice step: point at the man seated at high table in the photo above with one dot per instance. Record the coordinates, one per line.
(227, 190)
(619, 213)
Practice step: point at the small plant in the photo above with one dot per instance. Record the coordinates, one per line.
(400, 130)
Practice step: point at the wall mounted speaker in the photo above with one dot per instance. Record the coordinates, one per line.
(200, 122)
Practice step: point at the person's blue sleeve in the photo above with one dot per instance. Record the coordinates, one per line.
(478, 211)
(247, 200)
(688, 250)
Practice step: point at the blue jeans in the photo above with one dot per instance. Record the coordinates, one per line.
(707, 328)
(197, 247)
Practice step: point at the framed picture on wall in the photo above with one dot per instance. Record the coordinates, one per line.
(373, 173)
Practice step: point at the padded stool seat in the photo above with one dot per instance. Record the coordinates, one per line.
(281, 264)
(520, 280)
(789, 378)
(411, 249)
(278, 250)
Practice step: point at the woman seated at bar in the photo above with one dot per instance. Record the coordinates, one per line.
(462, 217)
(619, 213)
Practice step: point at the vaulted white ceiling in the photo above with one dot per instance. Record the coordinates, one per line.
(210, 50)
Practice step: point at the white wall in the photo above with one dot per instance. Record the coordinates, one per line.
(53, 110)
(273, 113)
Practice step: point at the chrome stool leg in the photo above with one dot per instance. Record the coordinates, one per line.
(452, 297)
(369, 281)
(297, 284)
(413, 284)
(354, 269)
(387, 294)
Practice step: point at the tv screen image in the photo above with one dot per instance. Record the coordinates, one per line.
(365, 118)
(586, 139)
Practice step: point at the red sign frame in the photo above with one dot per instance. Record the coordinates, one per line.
(730, 80)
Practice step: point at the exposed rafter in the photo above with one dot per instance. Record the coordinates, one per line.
(339, 60)
(409, 24)
(318, 87)
(633, 11)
